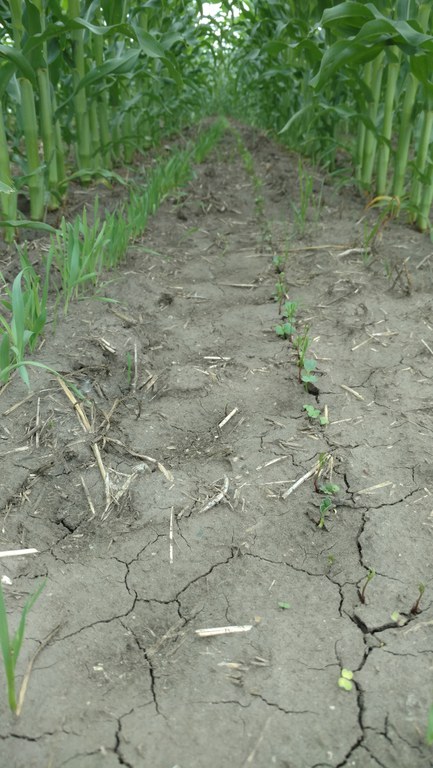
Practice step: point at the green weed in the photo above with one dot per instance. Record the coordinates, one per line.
(11, 645)
(305, 192)
(208, 139)
(23, 314)
(77, 252)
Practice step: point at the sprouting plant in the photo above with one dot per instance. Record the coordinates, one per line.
(398, 618)
(77, 251)
(280, 290)
(286, 329)
(11, 646)
(415, 608)
(305, 191)
(278, 261)
(330, 489)
(325, 507)
(22, 320)
(370, 575)
(345, 679)
(306, 366)
(289, 310)
(315, 413)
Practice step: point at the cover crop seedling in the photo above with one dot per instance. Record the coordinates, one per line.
(415, 608)
(306, 366)
(286, 329)
(11, 646)
(370, 575)
(345, 680)
(315, 413)
(327, 503)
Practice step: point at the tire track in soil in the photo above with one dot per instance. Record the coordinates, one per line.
(126, 681)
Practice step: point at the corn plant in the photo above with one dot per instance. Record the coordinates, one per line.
(92, 84)
(372, 41)
(11, 645)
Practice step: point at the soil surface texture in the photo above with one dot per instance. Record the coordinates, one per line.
(174, 510)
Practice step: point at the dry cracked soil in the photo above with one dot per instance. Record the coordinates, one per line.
(195, 406)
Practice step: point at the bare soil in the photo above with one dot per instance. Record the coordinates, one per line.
(125, 679)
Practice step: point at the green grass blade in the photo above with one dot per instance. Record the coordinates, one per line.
(7, 652)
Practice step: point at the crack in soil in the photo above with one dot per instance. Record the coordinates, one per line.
(281, 709)
(117, 736)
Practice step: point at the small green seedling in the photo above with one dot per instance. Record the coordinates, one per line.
(316, 413)
(370, 575)
(325, 506)
(327, 503)
(345, 680)
(289, 310)
(306, 366)
(280, 290)
(11, 646)
(415, 608)
(307, 376)
(278, 262)
(285, 330)
(329, 488)
(429, 732)
(398, 618)
(284, 606)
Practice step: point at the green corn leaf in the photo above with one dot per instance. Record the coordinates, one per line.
(28, 224)
(19, 61)
(4, 354)
(121, 65)
(19, 634)
(5, 189)
(6, 649)
(149, 45)
(18, 314)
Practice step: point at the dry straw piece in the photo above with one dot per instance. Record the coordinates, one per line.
(217, 631)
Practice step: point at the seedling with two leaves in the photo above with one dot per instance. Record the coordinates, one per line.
(315, 413)
(345, 680)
